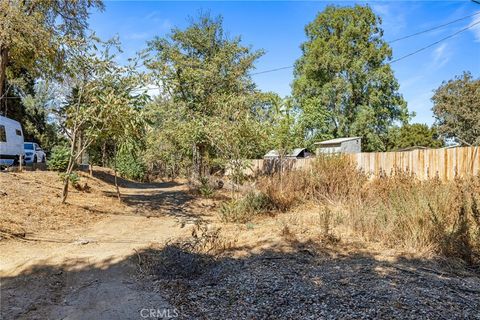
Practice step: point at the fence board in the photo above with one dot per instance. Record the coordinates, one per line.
(446, 163)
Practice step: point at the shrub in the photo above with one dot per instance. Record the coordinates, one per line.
(59, 158)
(129, 165)
(73, 178)
(244, 209)
(206, 189)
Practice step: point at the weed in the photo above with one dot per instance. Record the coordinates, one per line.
(244, 209)
(73, 178)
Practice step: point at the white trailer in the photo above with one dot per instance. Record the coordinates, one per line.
(11, 142)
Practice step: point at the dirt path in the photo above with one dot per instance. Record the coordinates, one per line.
(88, 272)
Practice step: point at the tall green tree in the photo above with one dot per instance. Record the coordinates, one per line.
(413, 135)
(204, 76)
(344, 80)
(32, 31)
(456, 106)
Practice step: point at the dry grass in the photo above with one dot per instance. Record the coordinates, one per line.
(329, 179)
(429, 217)
(30, 202)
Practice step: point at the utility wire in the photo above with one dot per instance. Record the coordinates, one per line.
(271, 70)
(434, 28)
(435, 43)
(405, 37)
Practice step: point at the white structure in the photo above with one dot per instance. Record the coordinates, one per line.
(339, 145)
(11, 141)
(294, 154)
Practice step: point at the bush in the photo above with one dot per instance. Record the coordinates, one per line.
(244, 209)
(206, 189)
(73, 178)
(59, 158)
(130, 166)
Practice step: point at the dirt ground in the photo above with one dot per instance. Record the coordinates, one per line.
(97, 258)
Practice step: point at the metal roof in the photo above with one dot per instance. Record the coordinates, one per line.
(274, 153)
(295, 152)
(337, 140)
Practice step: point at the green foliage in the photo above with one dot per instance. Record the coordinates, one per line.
(284, 129)
(33, 35)
(413, 135)
(206, 190)
(343, 83)
(130, 164)
(244, 209)
(457, 108)
(58, 160)
(212, 107)
(72, 178)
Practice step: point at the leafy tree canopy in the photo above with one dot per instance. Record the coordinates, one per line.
(207, 93)
(343, 82)
(413, 135)
(32, 31)
(456, 106)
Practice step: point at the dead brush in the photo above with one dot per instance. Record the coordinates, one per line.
(330, 178)
(425, 216)
(185, 258)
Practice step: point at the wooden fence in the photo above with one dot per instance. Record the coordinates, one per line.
(445, 163)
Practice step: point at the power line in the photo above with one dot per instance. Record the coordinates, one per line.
(434, 28)
(271, 70)
(435, 43)
(402, 38)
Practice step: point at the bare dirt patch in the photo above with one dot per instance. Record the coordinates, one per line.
(30, 203)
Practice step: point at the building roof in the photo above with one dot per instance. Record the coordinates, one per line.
(274, 153)
(336, 141)
(295, 152)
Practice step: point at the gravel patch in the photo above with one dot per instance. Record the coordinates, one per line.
(306, 285)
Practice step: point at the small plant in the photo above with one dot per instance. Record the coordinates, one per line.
(59, 158)
(326, 220)
(205, 189)
(186, 258)
(244, 209)
(73, 178)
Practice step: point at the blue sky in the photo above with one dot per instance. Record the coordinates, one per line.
(278, 28)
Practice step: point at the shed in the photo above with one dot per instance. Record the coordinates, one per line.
(339, 145)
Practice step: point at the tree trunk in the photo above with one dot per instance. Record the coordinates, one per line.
(71, 162)
(79, 149)
(3, 69)
(67, 180)
(115, 173)
(104, 154)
